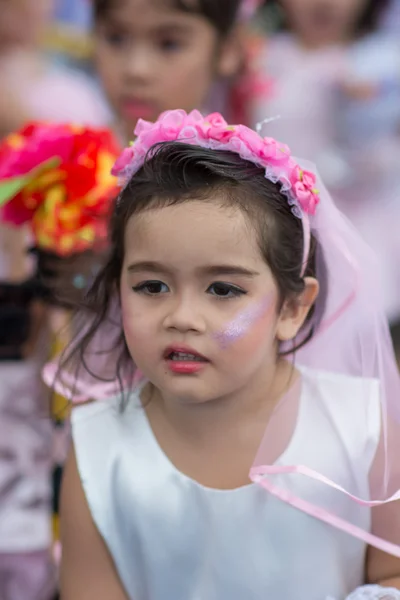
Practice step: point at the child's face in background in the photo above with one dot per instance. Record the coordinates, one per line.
(152, 57)
(22, 21)
(323, 22)
(194, 280)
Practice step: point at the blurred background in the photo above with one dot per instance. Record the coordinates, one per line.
(326, 71)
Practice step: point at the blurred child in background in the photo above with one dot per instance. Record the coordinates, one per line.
(32, 90)
(336, 89)
(154, 56)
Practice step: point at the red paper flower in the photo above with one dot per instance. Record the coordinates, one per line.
(68, 197)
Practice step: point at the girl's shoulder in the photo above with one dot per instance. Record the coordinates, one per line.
(345, 408)
(331, 383)
(375, 41)
(326, 377)
(118, 408)
(351, 402)
(376, 48)
(100, 425)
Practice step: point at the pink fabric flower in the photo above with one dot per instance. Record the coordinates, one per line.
(214, 127)
(216, 120)
(195, 116)
(123, 161)
(142, 126)
(171, 124)
(188, 134)
(281, 151)
(220, 134)
(252, 140)
(304, 183)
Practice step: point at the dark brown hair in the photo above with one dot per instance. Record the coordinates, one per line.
(175, 173)
(222, 14)
(368, 21)
(371, 16)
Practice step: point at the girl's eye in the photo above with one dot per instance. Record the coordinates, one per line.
(151, 288)
(170, 45)
(116, 39)
(225, 290)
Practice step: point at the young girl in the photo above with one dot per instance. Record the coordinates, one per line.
(234, 329)
(153, 56)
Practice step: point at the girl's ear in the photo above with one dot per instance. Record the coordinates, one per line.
(232, 55)
(294, 312)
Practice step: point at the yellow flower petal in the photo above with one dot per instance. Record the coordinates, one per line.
(46, 215)
(87, 234)
(15, 141)
(70, 213)
(45, 180)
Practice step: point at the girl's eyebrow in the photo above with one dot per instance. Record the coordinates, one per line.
(156, 267)
(172, 28)
(162, 27)
(229, 270)
(148, 265)
(114, 22)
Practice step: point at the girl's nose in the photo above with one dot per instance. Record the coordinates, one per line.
(138, 63)
(185, 315)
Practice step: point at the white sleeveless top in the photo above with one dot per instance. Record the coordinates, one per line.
(171, 537)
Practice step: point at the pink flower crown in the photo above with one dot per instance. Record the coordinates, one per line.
(213, 132)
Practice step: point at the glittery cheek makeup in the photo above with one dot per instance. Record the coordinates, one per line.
(243, 322)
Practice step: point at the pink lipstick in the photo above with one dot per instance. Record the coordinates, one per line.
(184, 360)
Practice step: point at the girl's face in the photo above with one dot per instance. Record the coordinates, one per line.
(22, 21)
(323, 22)
(152, 57)
(199, 302)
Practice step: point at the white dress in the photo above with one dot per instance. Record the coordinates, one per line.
(171, 537)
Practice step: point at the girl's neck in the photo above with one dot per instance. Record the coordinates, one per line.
(200, 421)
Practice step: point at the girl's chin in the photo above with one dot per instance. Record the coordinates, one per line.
(187, 392)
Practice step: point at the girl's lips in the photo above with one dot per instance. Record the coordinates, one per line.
(137, 109)
(182, 349)
(184, 360)
(186, 367)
